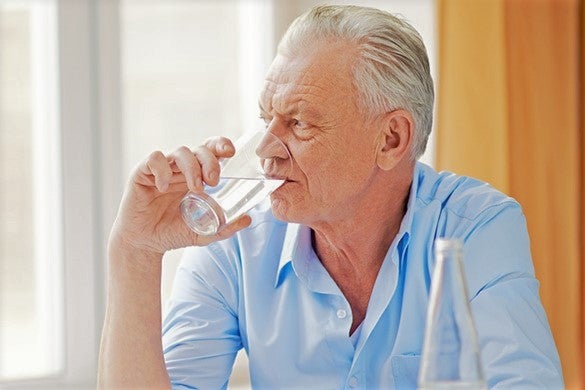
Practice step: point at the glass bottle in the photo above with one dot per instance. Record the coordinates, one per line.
(450, 357)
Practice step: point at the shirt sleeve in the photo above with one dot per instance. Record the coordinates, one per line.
(200, 332)
(517, 347)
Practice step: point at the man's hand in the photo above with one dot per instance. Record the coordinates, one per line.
(149, 218)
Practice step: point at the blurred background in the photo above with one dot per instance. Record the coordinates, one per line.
(89, 88)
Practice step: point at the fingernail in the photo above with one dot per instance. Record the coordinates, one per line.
(212, 176)
(198, 184)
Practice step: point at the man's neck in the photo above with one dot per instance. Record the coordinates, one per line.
(352, 249)
(361, 239)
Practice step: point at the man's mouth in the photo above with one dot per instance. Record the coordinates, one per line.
(278, 177)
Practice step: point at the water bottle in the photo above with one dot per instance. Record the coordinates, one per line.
(450, 356)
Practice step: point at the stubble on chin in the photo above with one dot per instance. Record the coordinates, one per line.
(279, 208)
(288, 205)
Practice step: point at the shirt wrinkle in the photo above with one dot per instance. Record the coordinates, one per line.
(501, 279)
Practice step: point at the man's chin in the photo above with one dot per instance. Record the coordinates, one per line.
(280, 208)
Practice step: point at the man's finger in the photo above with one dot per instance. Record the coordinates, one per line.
(188, 164)
(157, 165)
(209, 164)
(220, 146)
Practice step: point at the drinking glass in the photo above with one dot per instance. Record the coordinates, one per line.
(259, 166)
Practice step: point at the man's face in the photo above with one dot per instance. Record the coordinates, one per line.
(309, 101)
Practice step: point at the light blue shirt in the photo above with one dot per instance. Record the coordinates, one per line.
(265, 290)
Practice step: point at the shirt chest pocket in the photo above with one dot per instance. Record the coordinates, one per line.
(405, 371)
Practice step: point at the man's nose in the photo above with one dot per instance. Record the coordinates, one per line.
(270, 146)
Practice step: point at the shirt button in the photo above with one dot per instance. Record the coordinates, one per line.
(353, 381)
(341, 313)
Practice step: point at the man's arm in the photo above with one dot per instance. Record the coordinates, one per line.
(201, 332)
(131, 349)
(517, 346)
(147, 225)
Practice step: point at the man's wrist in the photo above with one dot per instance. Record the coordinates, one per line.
(122, 254)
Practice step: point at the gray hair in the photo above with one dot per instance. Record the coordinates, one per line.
(393, 68)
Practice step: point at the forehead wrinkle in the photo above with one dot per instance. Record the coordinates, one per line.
(294, 87)
(290, 98)
(286, 104)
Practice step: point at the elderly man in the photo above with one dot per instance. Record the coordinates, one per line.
(326, 285)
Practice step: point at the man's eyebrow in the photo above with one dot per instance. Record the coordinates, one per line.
(311, 113)
(295, 108)
(291, 110)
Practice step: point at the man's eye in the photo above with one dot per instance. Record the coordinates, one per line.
(299, 124)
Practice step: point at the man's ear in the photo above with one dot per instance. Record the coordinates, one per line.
(396, 137)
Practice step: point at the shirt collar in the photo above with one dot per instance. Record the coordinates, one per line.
(406, 224)
(297, 244)
(297, 240)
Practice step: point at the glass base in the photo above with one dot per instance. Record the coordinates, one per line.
(202, 214)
